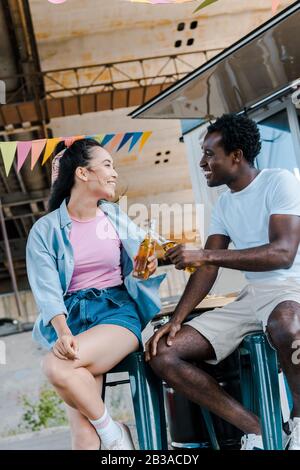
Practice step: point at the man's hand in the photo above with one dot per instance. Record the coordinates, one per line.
(66, 347)
(184, 256)
(170, 329)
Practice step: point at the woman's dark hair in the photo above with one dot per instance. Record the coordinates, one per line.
(78, 154)
(238, 132)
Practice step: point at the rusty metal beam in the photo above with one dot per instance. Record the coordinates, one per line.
(19, 198)
(17, 248)
(110, 86)
(20, 307)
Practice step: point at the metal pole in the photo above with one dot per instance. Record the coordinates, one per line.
(10, 265)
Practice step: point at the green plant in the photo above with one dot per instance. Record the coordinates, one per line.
(45, 412)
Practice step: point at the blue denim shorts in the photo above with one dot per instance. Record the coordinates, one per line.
(111, 306)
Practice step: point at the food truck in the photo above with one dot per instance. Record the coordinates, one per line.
(258, 76)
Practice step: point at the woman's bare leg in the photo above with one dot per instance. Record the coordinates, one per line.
(83, 433)
(100, 349)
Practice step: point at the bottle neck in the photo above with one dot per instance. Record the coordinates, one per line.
(151, 230)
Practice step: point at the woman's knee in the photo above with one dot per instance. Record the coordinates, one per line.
(54, 369)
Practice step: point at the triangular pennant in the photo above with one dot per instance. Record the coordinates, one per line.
(275, 5)
(144, 139)
(70, 140)
(36, 149)
(125, 139)
(204, 4)
(114, 142)
(136, 137)
(107, 138)
(8, 150)
(78, 137)
(51, 144)
(23, 150)
(99, 138)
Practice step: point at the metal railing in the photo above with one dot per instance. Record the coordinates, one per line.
(73, 81)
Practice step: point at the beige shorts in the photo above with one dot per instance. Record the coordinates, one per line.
(226, 327)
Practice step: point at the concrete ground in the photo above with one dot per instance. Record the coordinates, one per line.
(48, 439)
(21, 375)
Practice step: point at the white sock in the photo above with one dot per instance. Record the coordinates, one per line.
(106, 428)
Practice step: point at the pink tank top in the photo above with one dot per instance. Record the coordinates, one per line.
(97, 253)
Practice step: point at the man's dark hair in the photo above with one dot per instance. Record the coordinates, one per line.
(238, 132)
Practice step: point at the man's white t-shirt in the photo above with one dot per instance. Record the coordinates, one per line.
(244, 216)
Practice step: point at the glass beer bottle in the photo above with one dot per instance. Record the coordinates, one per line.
(147, 248)
(167, 244)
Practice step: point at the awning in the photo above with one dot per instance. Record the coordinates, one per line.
(261, 65)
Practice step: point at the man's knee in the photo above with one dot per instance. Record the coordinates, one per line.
(166, 358)
(284, 323)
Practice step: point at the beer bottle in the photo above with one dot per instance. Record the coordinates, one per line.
(167, 244)
(147, 248)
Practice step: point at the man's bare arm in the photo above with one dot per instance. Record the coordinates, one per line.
(201, 282)
(279, 253)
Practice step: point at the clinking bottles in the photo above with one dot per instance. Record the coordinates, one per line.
(167, 244)
(147, 248)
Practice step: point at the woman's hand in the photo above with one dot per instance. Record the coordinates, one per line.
(170, 329)
(152, 264)
(66, 347)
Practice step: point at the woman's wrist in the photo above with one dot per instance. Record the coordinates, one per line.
(60, 325)
(61, 333)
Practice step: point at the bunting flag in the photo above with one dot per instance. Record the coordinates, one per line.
(135, 139)
(203, 4)
(114, 142)
(36, 150)
(22, 149)
(107, 138)
(155, 2)
(51, 144)
(145, 137)
(275, 5)
(8, 149)
(99, 138)
(125, 139)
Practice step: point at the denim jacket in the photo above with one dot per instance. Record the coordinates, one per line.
(50, 265)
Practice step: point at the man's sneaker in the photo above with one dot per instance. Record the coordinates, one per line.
(252, 442)
(295, 434)
(125, 442)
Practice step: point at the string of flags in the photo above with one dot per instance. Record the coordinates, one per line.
(22, 149)
(154, 2)
(205, 3)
